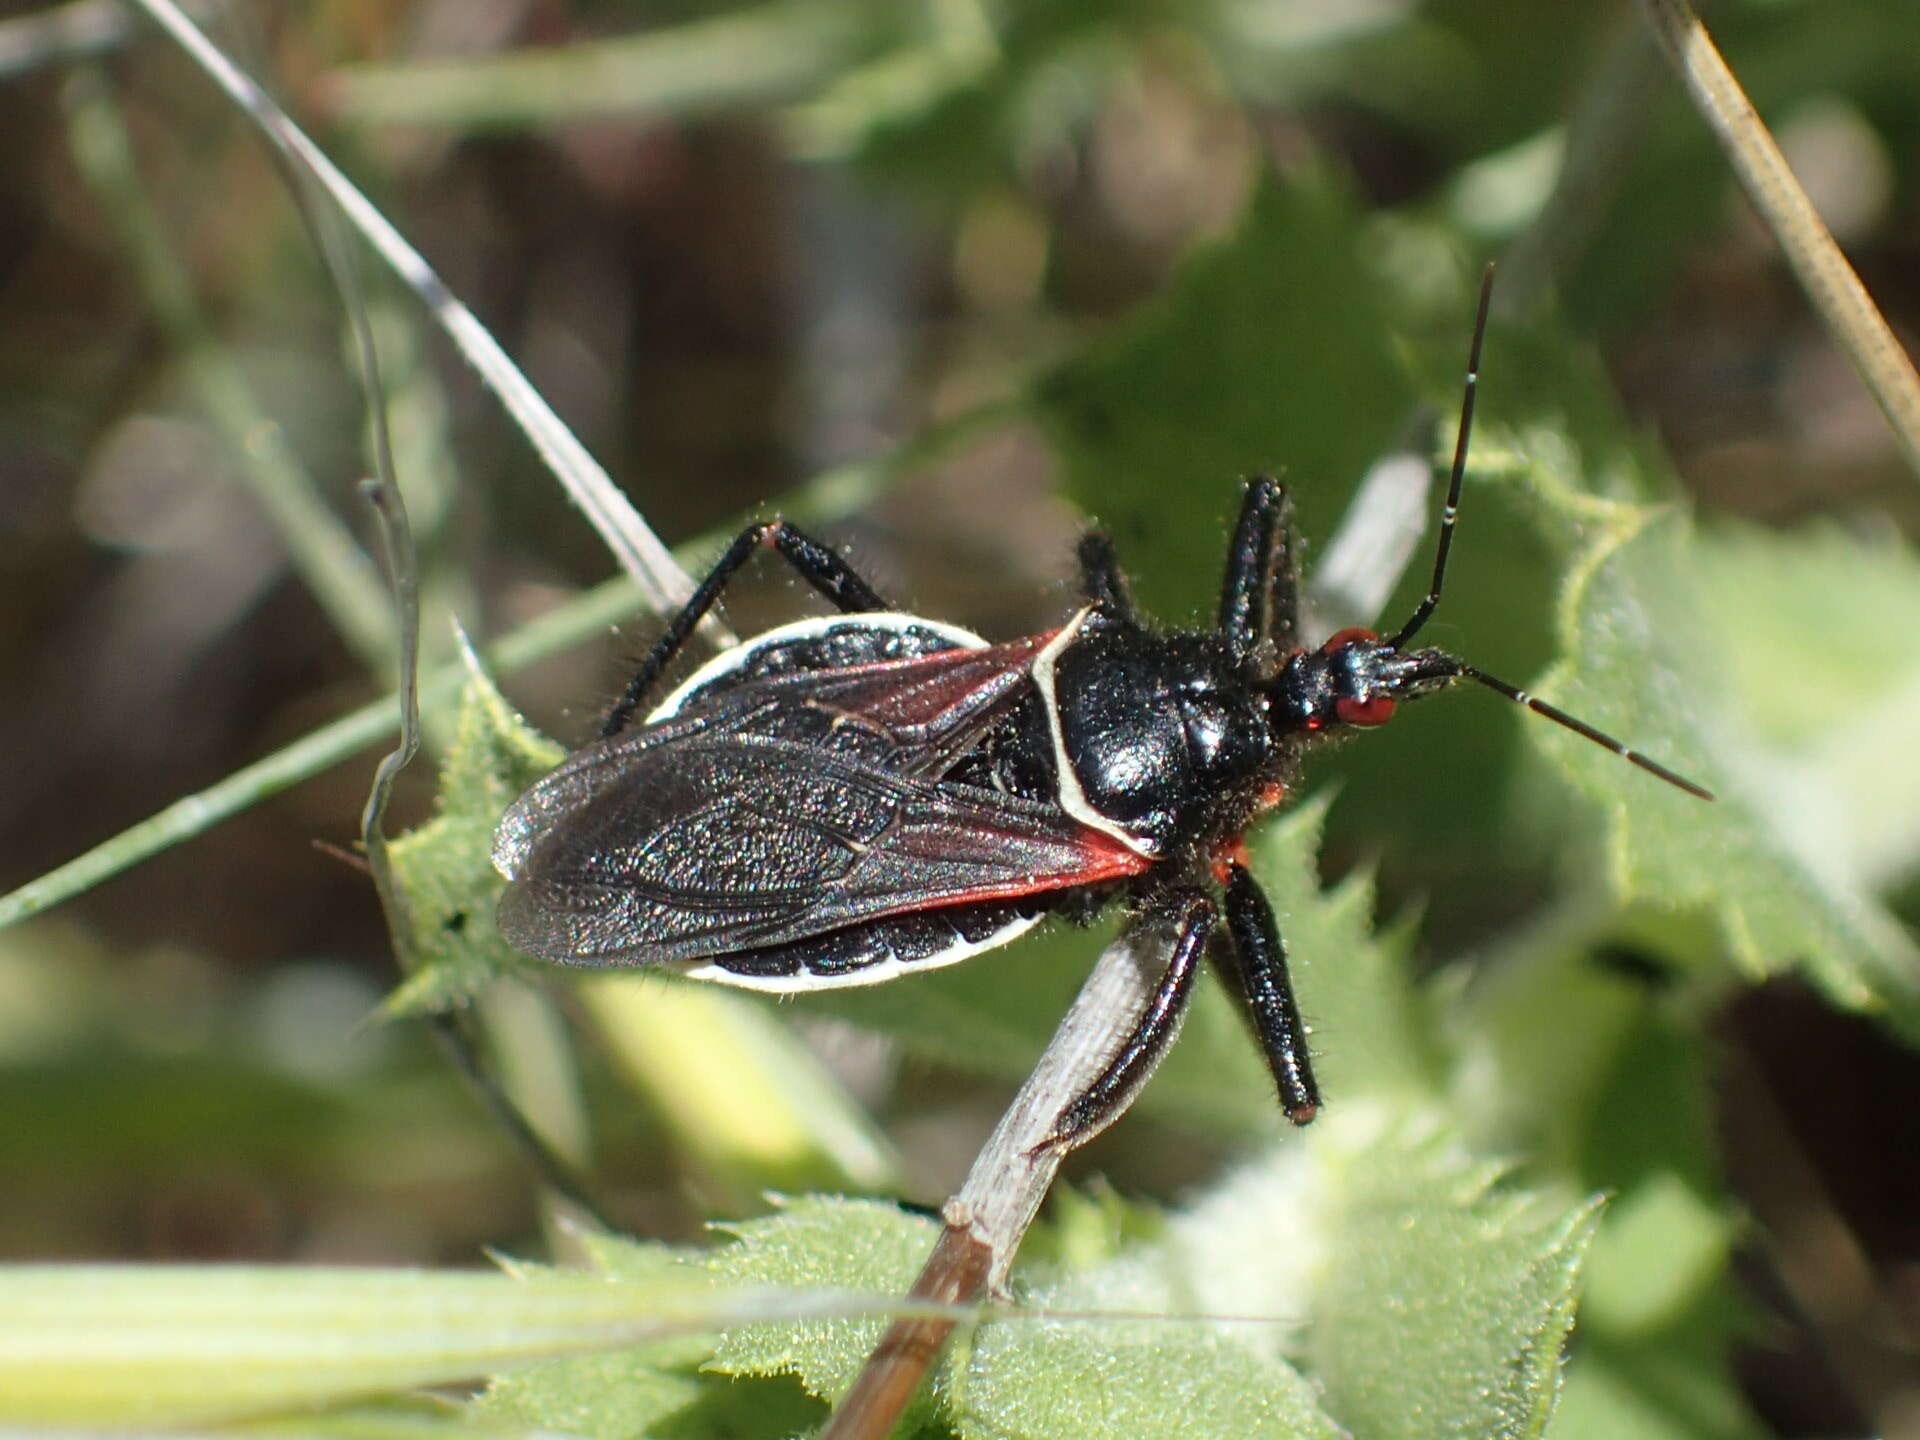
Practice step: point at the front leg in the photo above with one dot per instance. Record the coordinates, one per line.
(1257, 971)
(1189, 916)
(1259, 595)
(1102, 582)
(817, 564)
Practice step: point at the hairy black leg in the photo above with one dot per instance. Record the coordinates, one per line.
(818, 565)
(1190, 915)
(1101, 580)
(1259, 595)
(1257, 969)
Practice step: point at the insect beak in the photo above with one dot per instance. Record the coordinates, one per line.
(1408, 674)
(1367, 678)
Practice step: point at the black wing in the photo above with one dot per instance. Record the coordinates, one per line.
(782, 811)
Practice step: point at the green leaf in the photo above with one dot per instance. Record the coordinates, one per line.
(1428, 1299)
(1431, 1300)
(1447, 1298)
(1621, 1103)
(1807, 631)
(623, 1392)
(1640, 632)
(1269, 352)
(1117, 1380)
(444, 869)
(819, 1242)
(1236, 1252)
(1638, 665)
(1082, 1376)
(658, 1388)
(605, 1397)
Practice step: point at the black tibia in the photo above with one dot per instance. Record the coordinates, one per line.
(1102, 581)
(1257, 970)
(1190, 915)
(1259, 596)
(819, 566)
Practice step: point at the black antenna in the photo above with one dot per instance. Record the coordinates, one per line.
(1424, 610)
(1580, 727)
(1451, 513)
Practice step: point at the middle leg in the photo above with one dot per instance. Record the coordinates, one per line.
(1259, 595)
(1257, 971)
(1190, 915)
(1102, 582)
(815, 563)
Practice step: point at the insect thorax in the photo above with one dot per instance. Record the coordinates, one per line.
(1163, 733)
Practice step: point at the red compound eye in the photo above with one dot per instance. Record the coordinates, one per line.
(1374, 710)
(1348, 637)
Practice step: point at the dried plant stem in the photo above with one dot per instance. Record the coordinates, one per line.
(322, 549)
(1824, 272)
(73, 31)
(988, 1217)
(639, 551)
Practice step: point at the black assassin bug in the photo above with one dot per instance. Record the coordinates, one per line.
(843, 800)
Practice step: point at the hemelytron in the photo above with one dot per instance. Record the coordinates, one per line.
(843, 800)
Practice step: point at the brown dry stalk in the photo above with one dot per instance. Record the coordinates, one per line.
(988, 1217)
(1823, 270)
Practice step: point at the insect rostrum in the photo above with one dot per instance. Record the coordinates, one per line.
(842, 800)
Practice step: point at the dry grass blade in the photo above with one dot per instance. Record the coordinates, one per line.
(639, 551)
(1817, 260)
(989, 1216)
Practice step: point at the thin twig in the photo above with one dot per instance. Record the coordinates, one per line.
(638, 550)
(331, 564)
(554, 1171)
(404, 570)
(1366, 558)
(1824, 272)
(988, 1217)
(65, 33)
